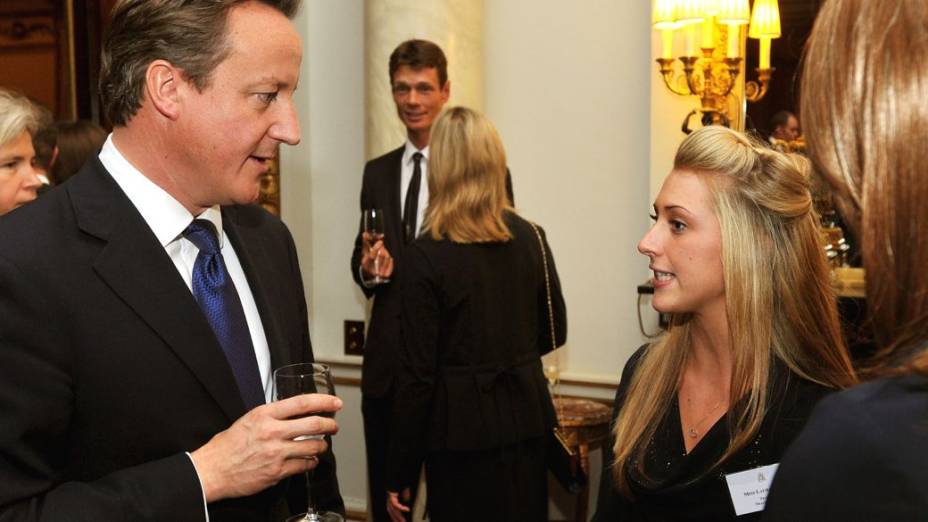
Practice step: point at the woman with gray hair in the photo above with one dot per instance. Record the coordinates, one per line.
(18, 180)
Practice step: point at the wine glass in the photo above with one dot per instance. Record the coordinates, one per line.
(374, 230)
(297, 379)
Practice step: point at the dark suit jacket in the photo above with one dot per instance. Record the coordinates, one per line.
(380, 189)
(475, 325)
(109, 371)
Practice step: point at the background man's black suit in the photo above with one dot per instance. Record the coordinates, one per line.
(380, 189)
(109, 371)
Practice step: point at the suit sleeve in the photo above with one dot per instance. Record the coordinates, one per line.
(326, 493)
(36, 408)
(366, 202)
(418, 375)
(558, 307)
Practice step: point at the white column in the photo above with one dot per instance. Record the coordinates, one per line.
(455, 25)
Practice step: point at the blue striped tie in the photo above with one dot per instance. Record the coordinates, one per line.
(215, 293)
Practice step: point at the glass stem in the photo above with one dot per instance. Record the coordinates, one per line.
(310, 511)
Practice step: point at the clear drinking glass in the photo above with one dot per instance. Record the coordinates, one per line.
(373, 232)
(297, 379)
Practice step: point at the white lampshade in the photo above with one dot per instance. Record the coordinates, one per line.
(734, 12)
(765, 20)
(689, 12)
(664, 14)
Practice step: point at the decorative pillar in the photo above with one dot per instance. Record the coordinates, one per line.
(455, 25)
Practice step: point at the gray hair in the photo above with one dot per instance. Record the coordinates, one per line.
(17, 115)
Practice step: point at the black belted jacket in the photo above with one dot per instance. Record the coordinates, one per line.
(475, 324)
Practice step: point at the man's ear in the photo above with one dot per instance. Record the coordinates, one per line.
(446, 90)
(162, 81)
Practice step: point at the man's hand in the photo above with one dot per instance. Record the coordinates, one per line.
(396, 508)
(258, 450)
(375, 259)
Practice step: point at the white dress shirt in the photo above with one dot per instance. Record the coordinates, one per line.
(167, 219)
(406, 169)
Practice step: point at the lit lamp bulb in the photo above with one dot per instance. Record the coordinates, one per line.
(734, 14)
(765, 26)
(689, 13)
(664, 19)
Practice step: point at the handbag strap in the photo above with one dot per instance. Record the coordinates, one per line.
(544, 262)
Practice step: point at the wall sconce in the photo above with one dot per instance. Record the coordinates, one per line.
(714, 74)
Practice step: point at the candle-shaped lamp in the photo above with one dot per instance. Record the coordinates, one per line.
(710, 9)
(664, 19)
(689, 13)
(765, 26)
(734, 14)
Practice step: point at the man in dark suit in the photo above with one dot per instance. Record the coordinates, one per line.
(172, 298)
(395, 183)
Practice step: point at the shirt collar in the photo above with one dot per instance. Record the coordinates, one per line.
(165, 216)
(411, 149)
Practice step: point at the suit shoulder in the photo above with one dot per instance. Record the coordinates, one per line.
(37, 228)
(385, 162)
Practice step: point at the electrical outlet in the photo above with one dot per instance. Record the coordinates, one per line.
(354, 337)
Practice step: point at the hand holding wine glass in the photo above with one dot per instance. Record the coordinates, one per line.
(293, 381)
(249, 456)
(376, 260)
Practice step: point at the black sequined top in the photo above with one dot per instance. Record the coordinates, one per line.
(674, 485)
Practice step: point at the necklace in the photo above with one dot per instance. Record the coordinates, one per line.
(692, 430)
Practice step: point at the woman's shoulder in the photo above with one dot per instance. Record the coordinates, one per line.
(628, 372)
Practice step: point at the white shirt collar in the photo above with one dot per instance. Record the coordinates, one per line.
(411, 149)
(166, 217)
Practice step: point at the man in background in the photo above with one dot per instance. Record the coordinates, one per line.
(785, 127)
(149, 396)
(397, 184)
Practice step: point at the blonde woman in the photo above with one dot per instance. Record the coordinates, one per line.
(19, 183)
(864, 453)
(754, 341)
(472, 403)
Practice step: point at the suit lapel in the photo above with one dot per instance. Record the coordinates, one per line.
(252, 251)
(395, 191)
(135, 266)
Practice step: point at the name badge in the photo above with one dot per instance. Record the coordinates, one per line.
(748, 489)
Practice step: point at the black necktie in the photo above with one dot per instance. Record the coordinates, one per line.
(215, 293)
(411, 208)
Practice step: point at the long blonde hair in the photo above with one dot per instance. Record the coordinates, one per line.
(467, 179)
(778, 298)
(864, 112)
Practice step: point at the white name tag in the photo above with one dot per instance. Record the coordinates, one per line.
(748, 489)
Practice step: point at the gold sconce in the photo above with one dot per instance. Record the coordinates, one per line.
(713, 74)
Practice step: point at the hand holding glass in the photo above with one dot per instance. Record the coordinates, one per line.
(374, 232)
(297, 379)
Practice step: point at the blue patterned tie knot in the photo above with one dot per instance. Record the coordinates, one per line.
(215, 292)
(202, 233)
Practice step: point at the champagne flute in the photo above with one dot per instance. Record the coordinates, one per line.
(297, 379)
(374, 231)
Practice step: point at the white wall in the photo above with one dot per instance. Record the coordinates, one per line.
(567, 85)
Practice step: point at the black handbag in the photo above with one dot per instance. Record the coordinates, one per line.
(562, 460)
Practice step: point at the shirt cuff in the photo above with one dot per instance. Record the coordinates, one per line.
(202, 493)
